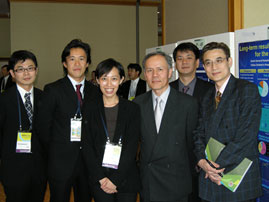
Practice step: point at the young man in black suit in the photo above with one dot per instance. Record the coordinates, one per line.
(168, 118)
(60, 124)
(135, 86)
(6, 80)
(230, 113)
(186, 56)
(22, 160)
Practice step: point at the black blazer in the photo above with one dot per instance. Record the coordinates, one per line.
(200, 88)
(9, 83)
(235, 123)
(58, 106)
(140, 89)
(17, 167)
(165, 157)
(126, 177)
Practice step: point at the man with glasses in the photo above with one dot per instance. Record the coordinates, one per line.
(22, 162)
(230, 113)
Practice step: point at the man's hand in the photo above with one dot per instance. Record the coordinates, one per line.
(211, 172)
(107, 186)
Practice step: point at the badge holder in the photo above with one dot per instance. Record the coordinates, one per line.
(23, 144)
(112, 151)
(75, 125)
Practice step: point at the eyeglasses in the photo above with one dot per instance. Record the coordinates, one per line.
(28, 69)
(218, 61)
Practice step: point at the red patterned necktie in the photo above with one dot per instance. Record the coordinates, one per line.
(79, 93)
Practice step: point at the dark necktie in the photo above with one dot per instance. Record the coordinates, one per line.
(79, 93)
(185, 89)
(29, 108)
(217, 99)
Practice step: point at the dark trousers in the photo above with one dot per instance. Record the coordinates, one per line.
(28, 191)
(100, 196)
(194, 196)
(184, 199)
(252, 200)
(60, 189)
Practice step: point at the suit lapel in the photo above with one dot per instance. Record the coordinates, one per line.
(223, 103)
(120, 121)
(70, 91)
(162, 137)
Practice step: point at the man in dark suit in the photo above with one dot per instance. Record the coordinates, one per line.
(168, 118)
(230, 113)
(22, 160)
(60, 125)
(6, 80)
(135, 86)
(186, 56)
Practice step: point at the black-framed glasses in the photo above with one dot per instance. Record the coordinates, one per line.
(28, 69)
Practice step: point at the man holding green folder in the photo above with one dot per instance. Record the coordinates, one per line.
(230, 114)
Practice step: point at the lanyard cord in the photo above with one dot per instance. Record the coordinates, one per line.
(19, 109)
(78, 110)
(108, 140)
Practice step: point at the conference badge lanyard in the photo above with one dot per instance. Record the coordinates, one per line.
(112, 152)
(23, 144)
(75, 132)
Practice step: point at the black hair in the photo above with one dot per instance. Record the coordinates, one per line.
(135, 66)
(187, 46)
(21, 55)
(106, 66)
(216, 45)
(76, 43)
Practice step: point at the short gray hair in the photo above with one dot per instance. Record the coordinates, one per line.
(167, 58)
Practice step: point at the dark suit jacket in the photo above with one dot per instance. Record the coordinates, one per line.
(236, 124)
(126, 177)
(165, 157)
(9, 83)
(140, 89)
(17, 167)
(58, 106)
(200, 88)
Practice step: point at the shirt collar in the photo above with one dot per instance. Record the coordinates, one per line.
(222, 88)
(135, 81)
(23, 92)
(74, 83)
(163, 96)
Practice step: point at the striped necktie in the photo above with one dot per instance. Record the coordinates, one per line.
(29, 108)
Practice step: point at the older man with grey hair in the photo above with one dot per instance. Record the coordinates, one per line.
(168, 118)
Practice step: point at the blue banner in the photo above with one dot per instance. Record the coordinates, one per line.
(254, 66)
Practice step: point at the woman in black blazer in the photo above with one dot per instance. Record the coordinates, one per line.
(111, 126)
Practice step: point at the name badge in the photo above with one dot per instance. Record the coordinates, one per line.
(23, 142)
(112, 154)
(75, 133)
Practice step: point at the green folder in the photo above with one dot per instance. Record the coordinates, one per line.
(232, 179)
(213, 149)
